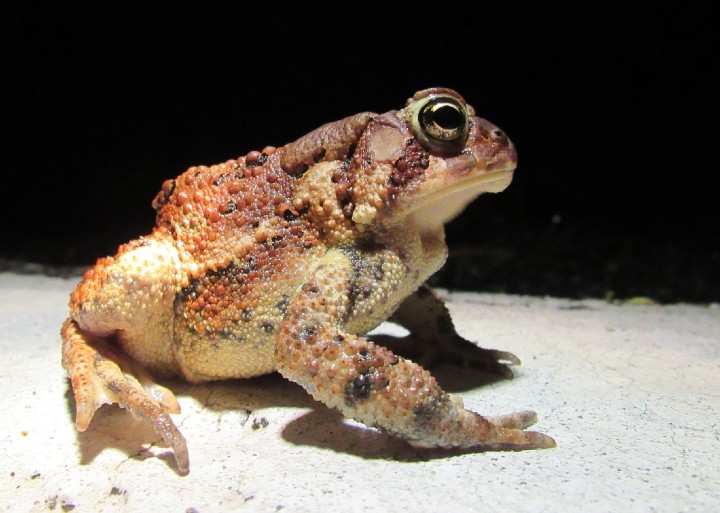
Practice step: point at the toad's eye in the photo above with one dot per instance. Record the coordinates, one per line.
(441, 123)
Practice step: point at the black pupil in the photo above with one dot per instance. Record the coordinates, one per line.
(448, 117)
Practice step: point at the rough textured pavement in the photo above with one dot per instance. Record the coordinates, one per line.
(629, 392)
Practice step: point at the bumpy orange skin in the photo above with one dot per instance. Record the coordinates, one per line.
(282, 259)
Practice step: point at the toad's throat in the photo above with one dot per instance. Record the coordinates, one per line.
(431, 211)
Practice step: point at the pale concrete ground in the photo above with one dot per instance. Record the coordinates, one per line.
(630, 393)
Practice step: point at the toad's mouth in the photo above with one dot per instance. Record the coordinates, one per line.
(432, 210)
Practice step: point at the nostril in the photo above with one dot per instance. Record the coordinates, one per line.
(494, 134)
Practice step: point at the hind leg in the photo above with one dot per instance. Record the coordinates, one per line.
(100, 374)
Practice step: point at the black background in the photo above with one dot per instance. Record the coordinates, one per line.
(610, 107)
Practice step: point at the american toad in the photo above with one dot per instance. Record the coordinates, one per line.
(281, 260)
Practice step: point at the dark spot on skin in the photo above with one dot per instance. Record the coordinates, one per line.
(267, 327)
(311, 288)
(229, 332)
(367, 271)
(343, 181)
(282, 304)
(430, 408)
(290, 215)
(113, 386)
(247, 314)
(229, 208)
(358, 388)
(348, 210)
(357, 291)
(353, 255)
(170, 186)
(308, 334)
(221, 179)
(255, 158)
(378, 271)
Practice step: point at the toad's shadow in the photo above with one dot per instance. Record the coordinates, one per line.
(321, 427)
(328, 429)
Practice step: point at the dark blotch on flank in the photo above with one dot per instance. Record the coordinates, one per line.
(358, 388)
(430, 408)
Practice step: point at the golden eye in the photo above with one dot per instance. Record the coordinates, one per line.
(441, 123)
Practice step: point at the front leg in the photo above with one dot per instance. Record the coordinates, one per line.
(369, 383)
(433, 337)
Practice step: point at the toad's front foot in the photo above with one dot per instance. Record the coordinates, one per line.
(101, 375)
(433, 338)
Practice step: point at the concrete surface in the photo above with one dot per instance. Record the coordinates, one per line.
(630, 393)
